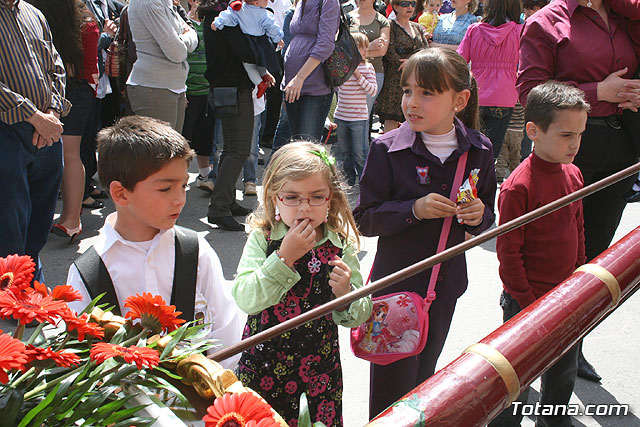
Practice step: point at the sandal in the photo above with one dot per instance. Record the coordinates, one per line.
(62, 231)
(99, 194)
(95, 204)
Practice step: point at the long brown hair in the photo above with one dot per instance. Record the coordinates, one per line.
(65, 21)
(296, 161)
(439, 70)
(498, 12)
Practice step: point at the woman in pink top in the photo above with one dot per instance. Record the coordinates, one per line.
(491, 46)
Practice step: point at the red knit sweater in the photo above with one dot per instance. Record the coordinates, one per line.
(538, 256)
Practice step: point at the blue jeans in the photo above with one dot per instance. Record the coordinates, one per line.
(251, 165)
(496, 120)
(218, 141)
(30, 181)
(372, 99)
(352, 148)
(283, 132)
(307, 115)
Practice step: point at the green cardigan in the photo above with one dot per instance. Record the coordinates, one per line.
(263, 280)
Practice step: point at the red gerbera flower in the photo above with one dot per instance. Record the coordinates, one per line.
(153, 312)
(239, 409)
(11, 356)
(27, 306)
(16, 272)
(61, 292)
(82, 325)
(64, 359)
(139, 355)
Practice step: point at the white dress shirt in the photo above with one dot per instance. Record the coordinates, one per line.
(137, 267)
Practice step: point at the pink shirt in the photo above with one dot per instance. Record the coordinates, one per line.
(493, 53)
(352, 95)
(570, 43)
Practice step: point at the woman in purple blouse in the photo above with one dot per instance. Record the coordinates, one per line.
(307, 96)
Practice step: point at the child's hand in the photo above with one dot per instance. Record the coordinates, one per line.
(280, 45)
(298, 241)
(434, 205)
(213, 26)
(471, 213)
(356, 74)
(340, 277)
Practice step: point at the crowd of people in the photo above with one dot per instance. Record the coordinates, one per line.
(506, 89)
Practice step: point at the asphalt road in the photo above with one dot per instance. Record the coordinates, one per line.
(612, 347)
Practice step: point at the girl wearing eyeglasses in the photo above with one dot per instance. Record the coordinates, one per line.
(406, 38)
(300, 254)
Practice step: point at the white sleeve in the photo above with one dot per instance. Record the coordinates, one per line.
(75, 280)
(226, 318)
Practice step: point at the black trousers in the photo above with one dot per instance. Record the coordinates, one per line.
(237, 133)
(556, 383)
(604, 151)
(390, 382)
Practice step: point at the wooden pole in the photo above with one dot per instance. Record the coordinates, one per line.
(423, 265)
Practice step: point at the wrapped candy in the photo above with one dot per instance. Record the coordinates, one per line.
(468, 191)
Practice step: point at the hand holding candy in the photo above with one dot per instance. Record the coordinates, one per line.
(470, 213)
(434, 205)
(299, 240)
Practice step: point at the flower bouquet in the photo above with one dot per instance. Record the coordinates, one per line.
(73, 369)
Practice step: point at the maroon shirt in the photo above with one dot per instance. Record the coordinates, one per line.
(538, 256)
(570, 43)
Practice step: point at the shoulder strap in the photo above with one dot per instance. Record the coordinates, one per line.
(185, 274)
(446, 226)
(96, 278)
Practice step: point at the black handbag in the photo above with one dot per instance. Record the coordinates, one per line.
(345, 57)
(224, 101)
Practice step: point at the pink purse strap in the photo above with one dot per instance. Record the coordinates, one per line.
(446, 227)
(444, 233)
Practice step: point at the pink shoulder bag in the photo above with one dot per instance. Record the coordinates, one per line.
(399, 322)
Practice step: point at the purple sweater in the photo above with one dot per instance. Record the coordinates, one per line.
(312, 36)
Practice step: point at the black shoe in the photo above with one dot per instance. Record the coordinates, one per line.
(586, 370)
(632, 195)
(96, 204)
(237, 210)
(226, 223)
(99, 194)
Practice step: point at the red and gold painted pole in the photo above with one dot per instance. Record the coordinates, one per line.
(489, 375)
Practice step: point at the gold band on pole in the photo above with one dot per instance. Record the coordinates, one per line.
(501, 365)
(607, 278)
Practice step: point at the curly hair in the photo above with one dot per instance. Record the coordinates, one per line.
(293, 162)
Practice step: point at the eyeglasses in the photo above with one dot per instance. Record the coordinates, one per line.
(293, 200)
(407, 4)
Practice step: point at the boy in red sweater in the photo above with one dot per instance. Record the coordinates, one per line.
(538, 256)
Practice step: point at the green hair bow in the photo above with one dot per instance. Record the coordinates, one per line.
(327, 159)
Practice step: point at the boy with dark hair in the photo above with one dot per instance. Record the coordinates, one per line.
(536, 257)
(143, 164)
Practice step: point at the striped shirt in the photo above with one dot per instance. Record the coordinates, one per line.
(32, 76)
(517, 118)
(352, 95)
